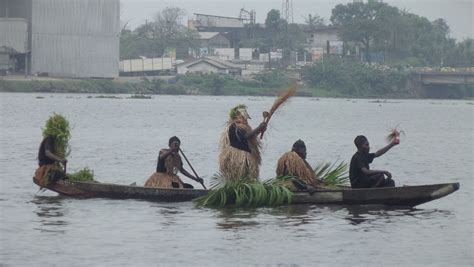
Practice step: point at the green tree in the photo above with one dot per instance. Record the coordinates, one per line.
(153, 38)
(167, 30)
(364, 22)
(314, 21)
(425, 40)
(280, 34)
(461, 55)
(276, 29)
(273, 20)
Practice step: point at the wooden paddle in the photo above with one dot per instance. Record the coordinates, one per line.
(184, 156)
(267, 115)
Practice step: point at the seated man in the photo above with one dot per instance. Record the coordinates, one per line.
(360, 174)
(294, 163)
(169, 163)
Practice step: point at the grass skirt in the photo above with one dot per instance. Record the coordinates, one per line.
(236, 164)
(163, 180)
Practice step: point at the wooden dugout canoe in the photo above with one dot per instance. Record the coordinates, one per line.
(406, 196)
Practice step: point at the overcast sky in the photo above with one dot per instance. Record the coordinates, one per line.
(457, 13)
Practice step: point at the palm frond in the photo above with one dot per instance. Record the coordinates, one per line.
(246, 193)
(332, 173)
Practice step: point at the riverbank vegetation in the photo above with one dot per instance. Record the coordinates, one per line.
(337, 76)
(268, 83)
(330, 77)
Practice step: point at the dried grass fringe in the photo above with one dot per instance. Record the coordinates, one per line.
(292, 164)
(173, 163)
(236, 164)
(163, 180)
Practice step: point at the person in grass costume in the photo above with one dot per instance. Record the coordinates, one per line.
(169, 163)
(293, 163)
(239, 157)
(53, 150)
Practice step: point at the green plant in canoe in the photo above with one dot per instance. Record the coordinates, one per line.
(84, 175)
(58, 127)
(332, 174)
(244, 193)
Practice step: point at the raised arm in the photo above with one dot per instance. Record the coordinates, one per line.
(260, 128)
(383, 150)
(164, 153)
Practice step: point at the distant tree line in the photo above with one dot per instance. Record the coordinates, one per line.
(155, 37)
(381, 27)
(378, 27)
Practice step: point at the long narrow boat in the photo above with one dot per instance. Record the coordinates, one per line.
(406, 196)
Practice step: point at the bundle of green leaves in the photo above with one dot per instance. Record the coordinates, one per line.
(246, 194)
(84, 175)
(58, 127)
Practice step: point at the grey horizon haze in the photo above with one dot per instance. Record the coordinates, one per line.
(457, 13)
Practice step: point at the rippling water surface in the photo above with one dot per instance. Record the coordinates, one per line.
(120, 138)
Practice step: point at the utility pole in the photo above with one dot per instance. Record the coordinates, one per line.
(287, 11)
(26, 57)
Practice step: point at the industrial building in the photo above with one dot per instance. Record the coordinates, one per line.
(60, 38)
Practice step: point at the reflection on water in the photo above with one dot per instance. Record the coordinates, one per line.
(51, 212)
(300, 215)
(170, 215)
(296, 215)
(233, 219)
(369, 214)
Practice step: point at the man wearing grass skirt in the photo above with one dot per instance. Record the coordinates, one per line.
(169, 163)
(293, 163)
(239, 157)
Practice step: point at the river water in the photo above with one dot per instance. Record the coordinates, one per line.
(120, 138)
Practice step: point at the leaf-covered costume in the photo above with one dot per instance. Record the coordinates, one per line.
(166, 173)
(292, 164)
(56, 136)
(239, 157)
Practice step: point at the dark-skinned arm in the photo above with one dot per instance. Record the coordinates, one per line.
(187, 174)
(164, 153)
(383, 150)
(54, 157)
(260, 128)
(372, 172)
